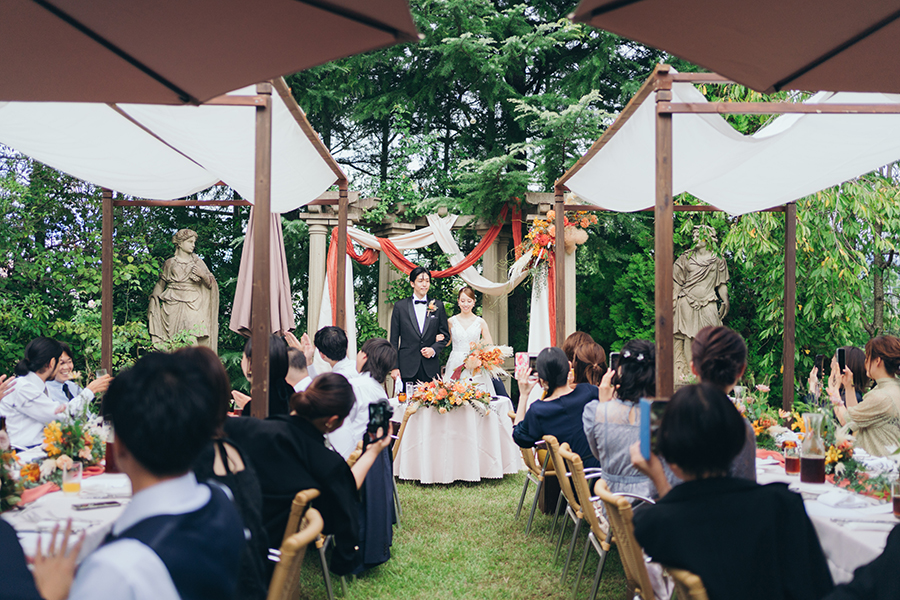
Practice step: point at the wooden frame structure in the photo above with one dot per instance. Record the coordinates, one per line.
(260, 311)
(660, 83)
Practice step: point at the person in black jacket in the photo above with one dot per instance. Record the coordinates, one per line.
(878, 580)
(419, 331)
(728, 531)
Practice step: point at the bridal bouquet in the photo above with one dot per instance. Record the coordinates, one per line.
(447, 395)
(489, 358)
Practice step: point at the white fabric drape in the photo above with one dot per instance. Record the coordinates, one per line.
(438, 231)
(794, 156)
(167, 152)
(539, 320)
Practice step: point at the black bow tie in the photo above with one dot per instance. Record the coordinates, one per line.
(420, 301)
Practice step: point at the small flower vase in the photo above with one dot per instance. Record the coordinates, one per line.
(812, 451)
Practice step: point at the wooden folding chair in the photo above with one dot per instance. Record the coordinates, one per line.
(286, 578)
(687, 585)
(597, 537)
(299, 507)
(410, 410)
(534, 473)
(618, 510)
(573, 507)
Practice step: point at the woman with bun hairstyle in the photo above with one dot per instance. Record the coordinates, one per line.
(876, 420)
(558, 410)
(612, 422)
(719, 358)
(29, 407)
(588, 364)
(289, 455)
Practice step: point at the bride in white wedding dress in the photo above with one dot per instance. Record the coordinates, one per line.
(465, 328)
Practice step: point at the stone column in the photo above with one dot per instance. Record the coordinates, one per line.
(570, 292)
(318, 255)
(502, 334)
(495, 309)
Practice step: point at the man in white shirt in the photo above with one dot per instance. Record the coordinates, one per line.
(331, 342)
(298, 374)
(177, 538)
(29, 407)
(65, 391)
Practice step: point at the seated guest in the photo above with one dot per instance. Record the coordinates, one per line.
(588, 364)
(331, 342)
(29, 407)
(279, 389)
(64, 391)
(298, 373)
(289, 455)
(875, 421)
(612, 423)
(719, 357)
(18, 583)
(855, 360)
(221, 460)
(374, 361)
(558, 410)
(726, 530)
(878, 580)
(176, 538)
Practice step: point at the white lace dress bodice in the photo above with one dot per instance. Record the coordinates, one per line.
(461, 338)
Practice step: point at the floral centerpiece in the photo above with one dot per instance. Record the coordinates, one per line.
(78, 438)
(10, 486)
(484, 357)
(541, 238)
(447, 395)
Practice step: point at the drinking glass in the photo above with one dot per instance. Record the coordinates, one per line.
(895, 497)
(792, 460)
(71, 479)
(100, 373)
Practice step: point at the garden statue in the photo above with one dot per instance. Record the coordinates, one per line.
(185, 300)
(699, 274)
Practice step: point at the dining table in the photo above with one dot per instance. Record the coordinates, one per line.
(852, 528)
(460, 445)
(39, 518)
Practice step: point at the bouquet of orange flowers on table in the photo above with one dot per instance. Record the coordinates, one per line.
(447, 395)
(482, 356)
(77, 438)
(10, 485)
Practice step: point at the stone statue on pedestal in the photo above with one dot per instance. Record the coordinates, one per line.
(699, 276)
(186, 297)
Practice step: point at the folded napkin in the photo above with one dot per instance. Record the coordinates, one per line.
(841, 499)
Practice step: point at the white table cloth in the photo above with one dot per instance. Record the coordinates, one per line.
(460, 445)
(850, 537)
(40, 517)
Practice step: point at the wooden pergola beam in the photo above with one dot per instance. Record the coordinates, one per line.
(676, 208)
(664, 242)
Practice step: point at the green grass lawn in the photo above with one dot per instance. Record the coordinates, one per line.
(462, 541)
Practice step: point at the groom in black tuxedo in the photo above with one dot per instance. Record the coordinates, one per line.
(419, 330)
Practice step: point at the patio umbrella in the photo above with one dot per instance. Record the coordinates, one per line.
(767, 45)
(180, 51)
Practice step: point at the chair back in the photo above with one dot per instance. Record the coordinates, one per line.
(687, 585)
(534, 459)
(299, 508)
(410, 409)
(559, 466)
(583, 493)
(618, 510)
(286, 578)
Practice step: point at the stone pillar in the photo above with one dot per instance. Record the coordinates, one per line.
(570, 292)
(502, 335)
(386, 275)
(318, 255)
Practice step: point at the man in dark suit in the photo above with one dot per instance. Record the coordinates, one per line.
(419, 330)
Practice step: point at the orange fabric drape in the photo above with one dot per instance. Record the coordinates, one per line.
(517, 231)
(370, 255)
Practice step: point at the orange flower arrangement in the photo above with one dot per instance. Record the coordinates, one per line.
(541, 238)
(30, 473)
(447, 395)
(77, 438)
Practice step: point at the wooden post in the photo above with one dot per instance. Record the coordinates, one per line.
(790, 303)
(341, 276)
(106, 282)
(560, 266)
(261, 322)
(664, 242)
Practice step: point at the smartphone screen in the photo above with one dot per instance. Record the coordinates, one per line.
(614, 360)
(820, 365)
(842, 359)
(651, 416)
(521, 360)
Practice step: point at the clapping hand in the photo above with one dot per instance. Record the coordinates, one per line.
(240, 399)
(6, 385)
(55, 570)
(607, 389)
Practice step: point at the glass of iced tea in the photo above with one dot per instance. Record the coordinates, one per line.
(895, 498)
(71, 479)
(791, 460)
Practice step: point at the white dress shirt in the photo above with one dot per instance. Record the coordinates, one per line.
(28, 409)
(343, 439)
(79, 394)
(367, 391)
(421, 311)
(303, 384)
(127, 569)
